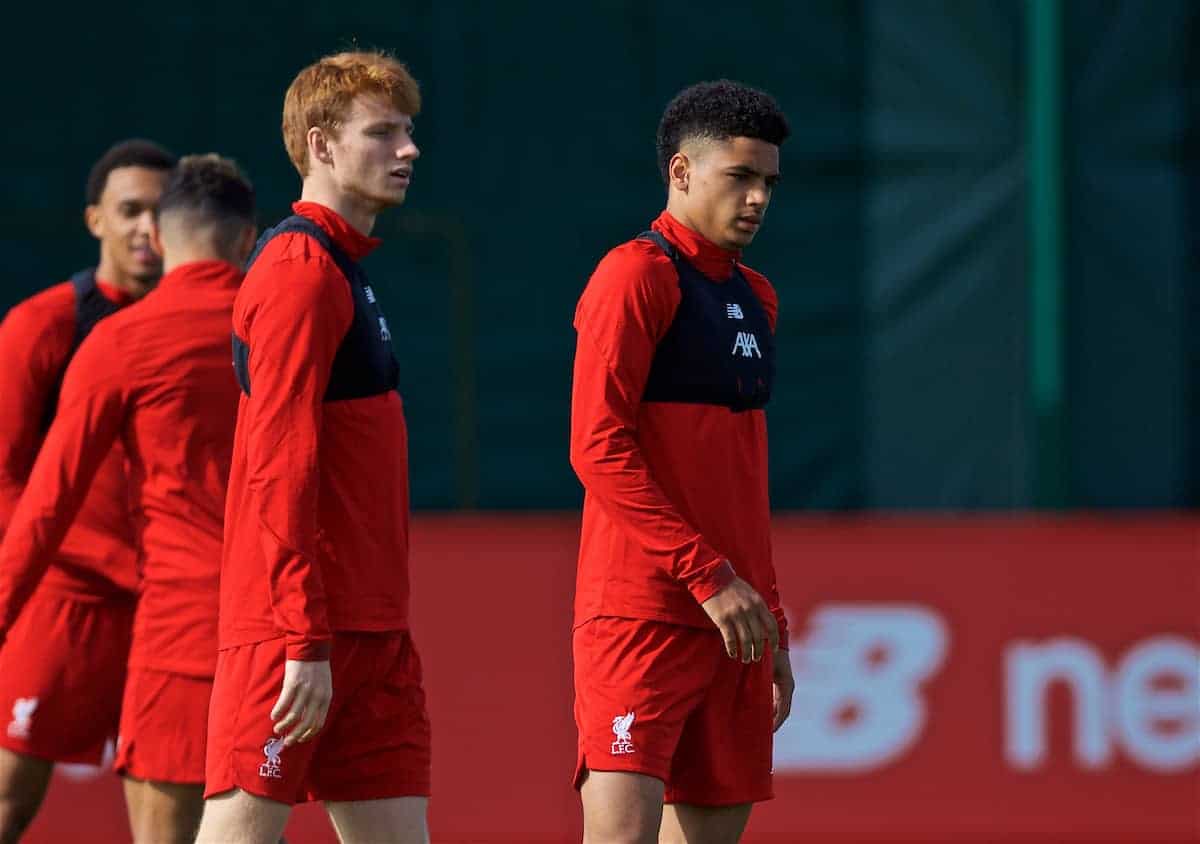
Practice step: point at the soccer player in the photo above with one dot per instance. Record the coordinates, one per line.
(318, 691)
(69, 649)
(156, 378)
(681, 672)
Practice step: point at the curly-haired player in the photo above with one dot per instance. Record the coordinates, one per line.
(680, 670)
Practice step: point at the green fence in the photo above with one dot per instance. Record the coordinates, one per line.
(905, 240)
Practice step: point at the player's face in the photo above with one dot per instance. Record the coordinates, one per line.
(374, 152)
(729, 187)
(122, 221)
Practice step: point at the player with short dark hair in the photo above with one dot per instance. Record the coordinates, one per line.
(318, 693)
(70, 647)
(681, 673)
(155, 378)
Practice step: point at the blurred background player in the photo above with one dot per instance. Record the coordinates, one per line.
(155, 377)
(674, 363)
(70, 647)
(318, 692)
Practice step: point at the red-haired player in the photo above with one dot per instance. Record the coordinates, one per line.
(318, 691)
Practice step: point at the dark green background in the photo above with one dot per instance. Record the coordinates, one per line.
(899, 240)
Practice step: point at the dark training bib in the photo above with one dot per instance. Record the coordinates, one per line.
(91, 306)
(364, 365)
(719, 349)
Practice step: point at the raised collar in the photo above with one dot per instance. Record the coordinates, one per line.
(353, 242)
(696, 249)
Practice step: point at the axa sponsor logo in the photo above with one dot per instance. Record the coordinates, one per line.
(746, 345)
(861, 695)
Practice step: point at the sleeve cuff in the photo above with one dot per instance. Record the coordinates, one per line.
(308, 650)
(711, 580)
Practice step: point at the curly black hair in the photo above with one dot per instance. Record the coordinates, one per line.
(135, 152)
(718, 110)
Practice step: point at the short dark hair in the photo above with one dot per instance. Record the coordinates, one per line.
(136, 152)
(215, 191)
(718, 111)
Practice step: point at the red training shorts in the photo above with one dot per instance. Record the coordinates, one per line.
(62, 670)
(164, 719)
(375, 742)
(666, 701)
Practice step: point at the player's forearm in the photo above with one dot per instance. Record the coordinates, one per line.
(613, 472)
(300, 609)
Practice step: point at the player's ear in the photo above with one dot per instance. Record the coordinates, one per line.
(94, 220)
(318, 146)
(679, 171)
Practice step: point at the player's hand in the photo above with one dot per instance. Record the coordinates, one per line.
(783, 687)
(304, 702)
(746, 624)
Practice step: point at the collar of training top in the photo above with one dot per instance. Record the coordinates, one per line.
(113, 293)
(353, 242)
(210, 273)
(696, 249)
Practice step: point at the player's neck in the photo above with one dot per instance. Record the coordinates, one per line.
(351, 208)
(110, 273)
(677, 208)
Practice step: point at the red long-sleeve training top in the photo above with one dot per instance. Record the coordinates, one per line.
(316, 534)
(97, 557)
(156, 378)
(672, 489)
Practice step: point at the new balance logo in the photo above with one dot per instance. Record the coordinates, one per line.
(620, 727)
(747, 345)
(272, 769)
(384, 334)
(370, 294)
(22, 721)
(734, 311)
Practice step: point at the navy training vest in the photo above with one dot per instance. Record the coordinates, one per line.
(719, 349)
(91, 306)
(364, 364)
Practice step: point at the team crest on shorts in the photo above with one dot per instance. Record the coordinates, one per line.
(271, 769)
(22, 713)
(620, 728)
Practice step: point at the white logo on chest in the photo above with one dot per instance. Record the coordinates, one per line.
(746, 345)
(734, 311)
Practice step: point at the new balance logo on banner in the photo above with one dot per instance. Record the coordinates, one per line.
(858, 703)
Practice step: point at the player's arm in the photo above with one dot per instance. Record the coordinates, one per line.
(91, 412)
(293, 333)
(626, 309)
(30, 346)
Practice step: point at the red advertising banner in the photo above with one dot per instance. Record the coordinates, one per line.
(958, 679)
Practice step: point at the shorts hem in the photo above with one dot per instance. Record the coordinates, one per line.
(648, 769)
(88, 757)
